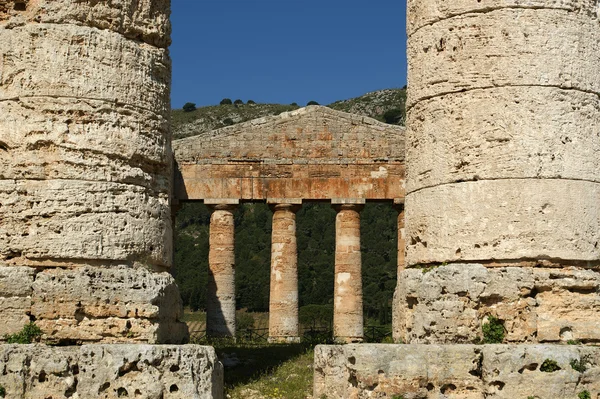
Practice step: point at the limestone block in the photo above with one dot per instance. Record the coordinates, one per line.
(513, 371)
(15, 298)
(146, 20)
(84, 63)
(505, 47)
(65, 138)
(504, 132)
(413, 371)
(421, 13)
(493, 219)
(450, 303)
(75, 221)
(454, 371)
(111, 371)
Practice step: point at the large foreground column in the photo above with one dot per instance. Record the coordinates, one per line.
(85, 171)
(347, 293)
(220, 296)
(283, 300)
(503, 193)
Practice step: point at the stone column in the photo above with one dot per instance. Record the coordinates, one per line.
(347, 293)
(220, 296)
(399, 206)
(283, 302)
(503, 176)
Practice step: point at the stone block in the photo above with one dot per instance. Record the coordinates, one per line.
(504, 219)
(15, 298)
(454, 371)
(111, 371)
(449, 304)
(504, 133)
(504, 47)
(66, 138)
(83, 63)
(79, 221)
(146, 20)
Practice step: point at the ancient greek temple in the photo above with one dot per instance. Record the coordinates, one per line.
(312, 154)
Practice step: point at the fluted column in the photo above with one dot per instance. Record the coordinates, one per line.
(347, 295)
(401, 236)
(220, 296)
(283, 302)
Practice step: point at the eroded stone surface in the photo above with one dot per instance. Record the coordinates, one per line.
(421, 13)
(111, 371)
(93, 304)
(504, 219)
(146, 20)
(453, 371)
(82, 139)
(505, 47)
(79, 62)
(537, 132)
(449, 303)
(83, 220)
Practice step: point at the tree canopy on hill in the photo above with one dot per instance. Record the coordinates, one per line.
(316, 251)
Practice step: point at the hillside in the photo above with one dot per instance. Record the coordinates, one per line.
(385, 105)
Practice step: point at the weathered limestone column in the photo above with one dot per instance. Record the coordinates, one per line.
(283, 299)
(399, 206)
(220, 296)
(85, 171)
(503, 193)
(347, 293)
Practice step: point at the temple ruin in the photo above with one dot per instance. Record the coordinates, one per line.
(312, 154)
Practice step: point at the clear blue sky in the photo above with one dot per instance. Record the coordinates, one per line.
(284, 51)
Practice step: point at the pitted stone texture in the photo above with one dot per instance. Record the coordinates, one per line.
(453, 371)
(94, 304)
(383, 370)
(65, 138)
(449, 304)
(283, 298)
(15, 298)
(347, 289)
(504, 219)
(220, 295)
(504, 132)
(83, 220)
(421, 13)
(111, 371)
(146, 20)
(505, 47)
(83, 63)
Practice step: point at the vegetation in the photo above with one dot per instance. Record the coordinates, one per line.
(549, 366)
(238, 102)
(27, 335)
(374, 105)
(493, 330)
(2, 391)
(189, 107)
(316, 251)
(250, 102)
(584, 395)
(580, 365)
(312, 103)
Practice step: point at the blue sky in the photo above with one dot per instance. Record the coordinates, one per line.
(284, 51)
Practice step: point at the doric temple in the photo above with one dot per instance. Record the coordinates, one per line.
(311, 154)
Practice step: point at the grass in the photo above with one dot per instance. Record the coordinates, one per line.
(267, 371)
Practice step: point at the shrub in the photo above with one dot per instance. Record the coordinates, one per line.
(549, 366)
(584, 395)
(27, 335)
(312, 103)
(393, 116)
(294, 104)
(250, 102)
(238, 102)
(189, 107)
(2, 391)
(580, 365)
(228, 121)
(493, 331)
(244, 320)
(226, 101)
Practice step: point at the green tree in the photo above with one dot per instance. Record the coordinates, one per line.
(250, 102)
(226, 101)
(238, 102)
(394, 116)
(312, 103)
(189, 107)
